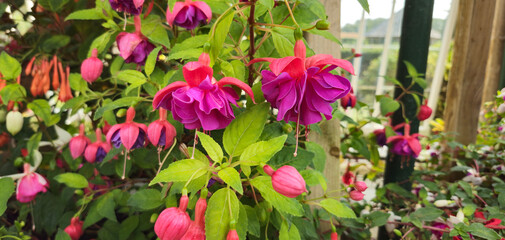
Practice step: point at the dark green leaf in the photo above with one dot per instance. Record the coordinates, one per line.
(364, 4)
(6, 190)
(145, 199)
(122, 102)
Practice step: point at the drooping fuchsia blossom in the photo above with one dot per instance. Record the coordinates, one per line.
(406, 145)
(303, 88)
(424, 112)
(189, 14)
(160, 132)
(78, 143)
(92, 67)
(30, 185)
(133, 7)
(334, 236)
(232, 235)
(201, 101)
(173, 222)
(131, 134)
(196, 230)
(74, 230)
(348, 100)
(134, 47)
(356, 195)
(97, 151)
(286, 180)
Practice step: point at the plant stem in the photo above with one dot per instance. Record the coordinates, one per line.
(251, 41)
(291, 13)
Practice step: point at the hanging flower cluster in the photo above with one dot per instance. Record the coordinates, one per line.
(80, 145)
(134, 47)
(406, 145)
(40, 70)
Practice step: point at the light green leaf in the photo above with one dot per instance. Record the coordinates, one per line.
(219, 35)
(337, 208)
(231, 177)
(364, 4)
(262, 152)
(145, 199)
(154, 30)
(86, 14)
(73, 180)
(190, 43)
(13, 92)
(319, 159)
(267, 3)
(181, 171)
(217, 216)
(313, 177)
(212, 147)
(280, 202)
(101, 42)
(122, 102)
(388, 105)
(77, 82)
(191, 53)
(245, 129)
(132, 77)
(288, 232)
(6, 190)
(283, 41)
(9, 66)
(151, 61)
(42, 109)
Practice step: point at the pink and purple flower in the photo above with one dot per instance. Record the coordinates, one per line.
(133, 7)
(97, 151)
(189, 14)
(134, 47)
(130, 134)
(30, 185)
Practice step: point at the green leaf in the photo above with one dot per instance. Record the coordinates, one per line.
(378, 218)
(122, 102)
(231, 177)
(245, 129)
(253, 226)
(55, 42)
(283, 41)
(33, 143)
(319, 159)
(234, 69)
(217, 216)
(128, 226)
(262, 152)
(6, 190)
(132, 77)
(313, 177)
(155, 31)
(220, 33)
(426, 214)
(326, 34)
(54, 5)
(280, 202)
(190, 43)
(364, 4)
(9, 67)
(181, 171)
(106, 205)
(411, 69)
(86, 14)
(267, 3)
(77, 82)
(211, 147)
(73, 180)
(42, 109)
(13, 92)
(191, 53)
(145, 199)
(388, 105)
(337, 208)
(479, 230)
(101, 42)
(62, 235)
(151, 61)
(288, 232)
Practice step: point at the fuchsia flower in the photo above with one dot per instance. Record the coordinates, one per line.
(424, 112)
(97, 151)
(334, 236)
(92, 67)
(348, 100)
(30, 185)
(406, 145)
(189, 14)
(78, 143)
(134, 47)
(232, 235)
(356, 195)
(160, 132)
(133, 7)
(173, 222)
(74, 230)
(286, 180)
(196, 230)
(201, 101)
(360, 186)
(131, 134)
(303, 88)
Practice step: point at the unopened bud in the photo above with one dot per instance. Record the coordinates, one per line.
(121, 113)
(360, 186)
(287, 128)
(323, 25)
(153, 218)
(14, 122)
(298, 34)
(356, 195)
(78, 192)
(443, 203)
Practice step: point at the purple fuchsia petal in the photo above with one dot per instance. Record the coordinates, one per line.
(116, 138)
(164, 96)
(140, 53)
(128, 6)
(141, 138)
(127, 43)
(100, 154)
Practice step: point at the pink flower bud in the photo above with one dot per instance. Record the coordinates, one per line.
(348, 100)
(356, 195)
(424, 112)
(78, 143)
(92, 67)
(160, 132)
(30, 185)
(360, 186)
(334, 236)
(286, 180)
(173, 222)
(74, 230)
(196, 230)
(232, 235)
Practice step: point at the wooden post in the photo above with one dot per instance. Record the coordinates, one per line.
(495, 59)
(471, 48)
(330, 137)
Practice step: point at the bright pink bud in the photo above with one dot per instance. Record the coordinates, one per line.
(232, 235)
(173, 222)
(92, 67)
(74, 230)
(356, 195)
(300, 49)
(161, 132)
(196, 230)
(286, 180)
(348, 178)
(334, 236)
(78, 143)
(348, 100)
(424, 112)
(30, 185)
(360, 186)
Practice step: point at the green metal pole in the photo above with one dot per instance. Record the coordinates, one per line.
(414, 44)
(502, 74)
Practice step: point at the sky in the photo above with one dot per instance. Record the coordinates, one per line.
(351, 9)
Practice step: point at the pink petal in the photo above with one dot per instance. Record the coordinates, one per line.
(90, 153)
(138, 3)
(195, 72)
(394, 138)
(205, 9)
(321, 60)
(172, 14)
(154, 132)
(127, 42)
(415, 145)
(261, 60)
(129, 134)
(292, 65)
(160, 95)
(238, 83)
(112, 130)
